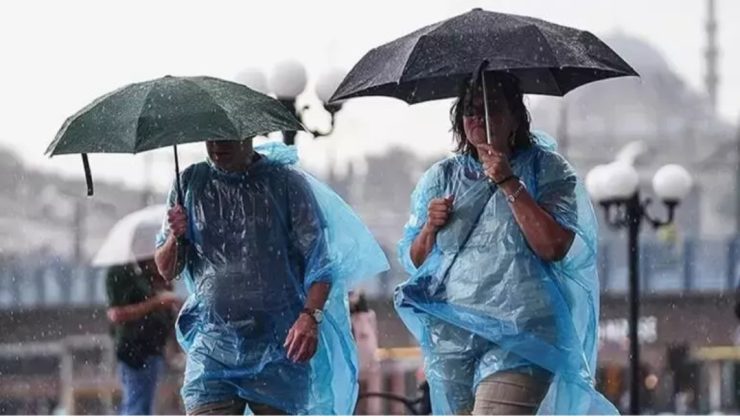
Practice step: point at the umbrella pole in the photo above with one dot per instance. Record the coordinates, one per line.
(485, 104)
(177, 176)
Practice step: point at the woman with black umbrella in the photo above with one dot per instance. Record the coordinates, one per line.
(495, 263)
(501, 243)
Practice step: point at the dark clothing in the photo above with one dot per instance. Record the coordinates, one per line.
(235, 407)
(136, 340)
(425, 405)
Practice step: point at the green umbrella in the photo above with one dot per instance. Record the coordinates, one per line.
(167, 112)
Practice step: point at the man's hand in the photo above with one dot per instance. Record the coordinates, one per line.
(438, 212)
(495, 164)
(303, 339)
(115, 314)
(177, 220)
(167, 299)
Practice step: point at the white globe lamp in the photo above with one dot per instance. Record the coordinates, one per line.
(288, 79)
(328, 84)
(672, 183)
(253, 79)
(621, 180)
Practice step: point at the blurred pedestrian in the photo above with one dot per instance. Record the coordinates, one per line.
(141, 310)
(365, 331)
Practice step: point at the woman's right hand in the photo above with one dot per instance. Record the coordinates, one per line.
(438, 212)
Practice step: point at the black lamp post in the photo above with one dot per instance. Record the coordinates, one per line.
(615, 187)
(287, 81)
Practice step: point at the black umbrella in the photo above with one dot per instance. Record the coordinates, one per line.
(432, 62)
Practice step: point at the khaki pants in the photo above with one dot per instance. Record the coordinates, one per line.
(510, 393)
(371, 380)
(234, 407)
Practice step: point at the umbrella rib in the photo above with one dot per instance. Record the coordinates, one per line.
(411, 59)
(555, 57)
(138, 119)
(556, 84)
(70, 120)
(226, 114)
(547, 44)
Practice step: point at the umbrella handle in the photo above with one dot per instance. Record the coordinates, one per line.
(177, 177)
(88, 175)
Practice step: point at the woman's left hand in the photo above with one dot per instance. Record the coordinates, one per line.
(495, 164)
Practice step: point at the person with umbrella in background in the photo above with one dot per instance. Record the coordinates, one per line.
(501, 242)
(267, 252)
(141, 309)
(142, 313)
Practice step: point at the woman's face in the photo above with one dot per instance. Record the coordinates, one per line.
(501, 119)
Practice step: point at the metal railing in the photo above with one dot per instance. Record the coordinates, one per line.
(85, 365)
(692, 265)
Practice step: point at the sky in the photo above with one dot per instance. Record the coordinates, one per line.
(56, 57)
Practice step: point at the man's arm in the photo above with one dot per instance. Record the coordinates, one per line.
(307, 231)
(166, 258)
(135, 311)
(317, 295)
(169, 257)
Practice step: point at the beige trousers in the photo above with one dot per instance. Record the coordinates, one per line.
(510, 393)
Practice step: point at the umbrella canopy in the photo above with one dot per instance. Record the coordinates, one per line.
(166, 112)
(169, 111)
(132, 238)
(432, 62)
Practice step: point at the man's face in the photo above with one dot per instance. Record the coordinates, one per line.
(229, 155)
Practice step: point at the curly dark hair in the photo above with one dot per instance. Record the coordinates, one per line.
(508, 85)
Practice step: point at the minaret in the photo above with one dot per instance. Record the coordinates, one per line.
(711, 54)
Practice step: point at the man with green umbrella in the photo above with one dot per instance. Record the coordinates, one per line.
(267, 252)
(254, 243)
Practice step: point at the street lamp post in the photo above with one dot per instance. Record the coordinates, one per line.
(287, 81)
(615, 187)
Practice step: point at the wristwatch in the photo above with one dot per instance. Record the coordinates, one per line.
(316, 314)
(512, 198)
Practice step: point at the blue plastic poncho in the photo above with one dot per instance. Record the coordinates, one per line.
(482, 302)
(258, 241)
